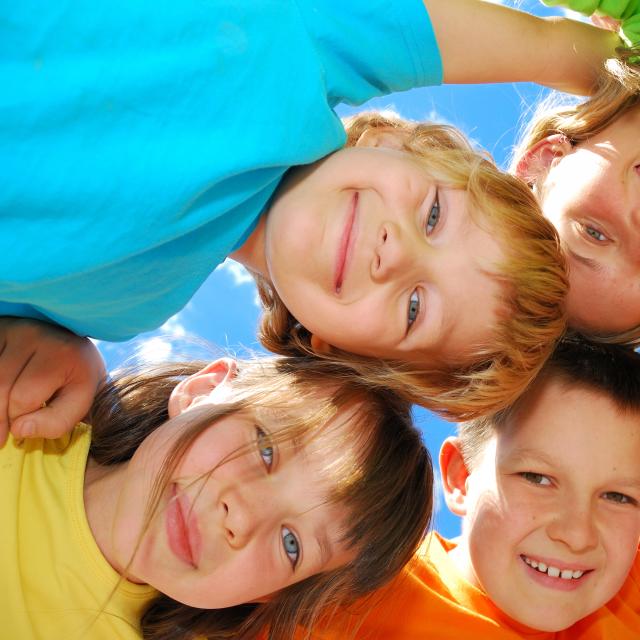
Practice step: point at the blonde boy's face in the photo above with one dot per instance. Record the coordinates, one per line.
(552, 518)
(372, 256)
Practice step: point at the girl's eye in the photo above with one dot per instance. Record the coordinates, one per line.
(265, 447)
(414, 308)
(291, 546)
(592, 232)
(535, 478)
(434, 215)
(618, 498)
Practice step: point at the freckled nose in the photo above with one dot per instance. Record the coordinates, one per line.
(574, 527)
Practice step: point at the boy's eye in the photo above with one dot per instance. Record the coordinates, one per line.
(291, 546)
(414, 308)
(619, 498)
(265, 447)
(434, 215)
(535, 478)
(592, 232)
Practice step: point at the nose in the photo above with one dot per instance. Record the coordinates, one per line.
(393, 254)
(575, 527)
(241, 516)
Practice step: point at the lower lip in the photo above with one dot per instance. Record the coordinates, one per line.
(346, 242)
(182, 529)
(555, 583)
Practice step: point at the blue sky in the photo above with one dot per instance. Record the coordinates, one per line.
(224, 312)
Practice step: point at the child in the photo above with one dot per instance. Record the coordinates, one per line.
(158, 141)
(249, 498)
(583, 162)
(549, 493)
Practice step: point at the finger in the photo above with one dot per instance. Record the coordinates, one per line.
(36, 385)
(64, 411)
(13, 360)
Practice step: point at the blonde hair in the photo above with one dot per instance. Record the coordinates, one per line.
(384, 480)
(618, 92)
(533, 278)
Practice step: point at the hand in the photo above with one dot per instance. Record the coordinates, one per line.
(42, 363)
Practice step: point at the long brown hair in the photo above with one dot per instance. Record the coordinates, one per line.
(532, 275)
(387, 489)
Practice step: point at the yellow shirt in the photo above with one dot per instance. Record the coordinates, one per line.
(55, 583)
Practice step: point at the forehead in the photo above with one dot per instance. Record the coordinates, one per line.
(572, 423)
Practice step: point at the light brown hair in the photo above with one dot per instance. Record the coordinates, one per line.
(386, 485)
(532, 275)
(618, 92)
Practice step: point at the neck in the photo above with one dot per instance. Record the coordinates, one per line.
(252, 252)
(101, 491)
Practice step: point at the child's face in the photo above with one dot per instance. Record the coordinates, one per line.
(591, 194)
(557, 491)
(256, 524)
(372, 256)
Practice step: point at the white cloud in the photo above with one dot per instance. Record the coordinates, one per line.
(154, 350)
(239, 274)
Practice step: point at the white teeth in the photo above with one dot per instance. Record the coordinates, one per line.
(554, 572)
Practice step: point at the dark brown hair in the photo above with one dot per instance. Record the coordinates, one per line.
(610, 369)
(387, 488)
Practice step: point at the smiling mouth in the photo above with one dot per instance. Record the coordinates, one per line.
(345, 244)
(566, 578)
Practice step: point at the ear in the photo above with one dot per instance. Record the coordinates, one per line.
(387, 137)
(318, 345)
(536, 161)
(454, 476)
(216, 374)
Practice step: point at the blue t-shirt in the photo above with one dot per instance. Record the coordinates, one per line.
(141, 141)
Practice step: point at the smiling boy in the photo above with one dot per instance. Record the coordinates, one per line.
(549, 493)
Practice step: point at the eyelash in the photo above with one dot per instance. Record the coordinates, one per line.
(287, 534)
(265, 447)
(587, 228)
(625, 498)
(529, 476)
(413, 310)
(434, 207)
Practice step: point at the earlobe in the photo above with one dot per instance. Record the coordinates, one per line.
(318, 345)
(536, 161)
(454, 476)
(187, 391)
(386, 137)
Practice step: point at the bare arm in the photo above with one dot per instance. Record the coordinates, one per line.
(484, 42)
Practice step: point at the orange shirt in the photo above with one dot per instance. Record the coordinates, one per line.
(431, 601)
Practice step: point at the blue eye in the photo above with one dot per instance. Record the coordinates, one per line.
(265, 447)
(291, 546)
(414, 308)
(434, 215)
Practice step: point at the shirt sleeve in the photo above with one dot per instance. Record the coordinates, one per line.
(372, 48)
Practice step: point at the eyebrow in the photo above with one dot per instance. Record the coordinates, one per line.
(594, 265)
(532, 455)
